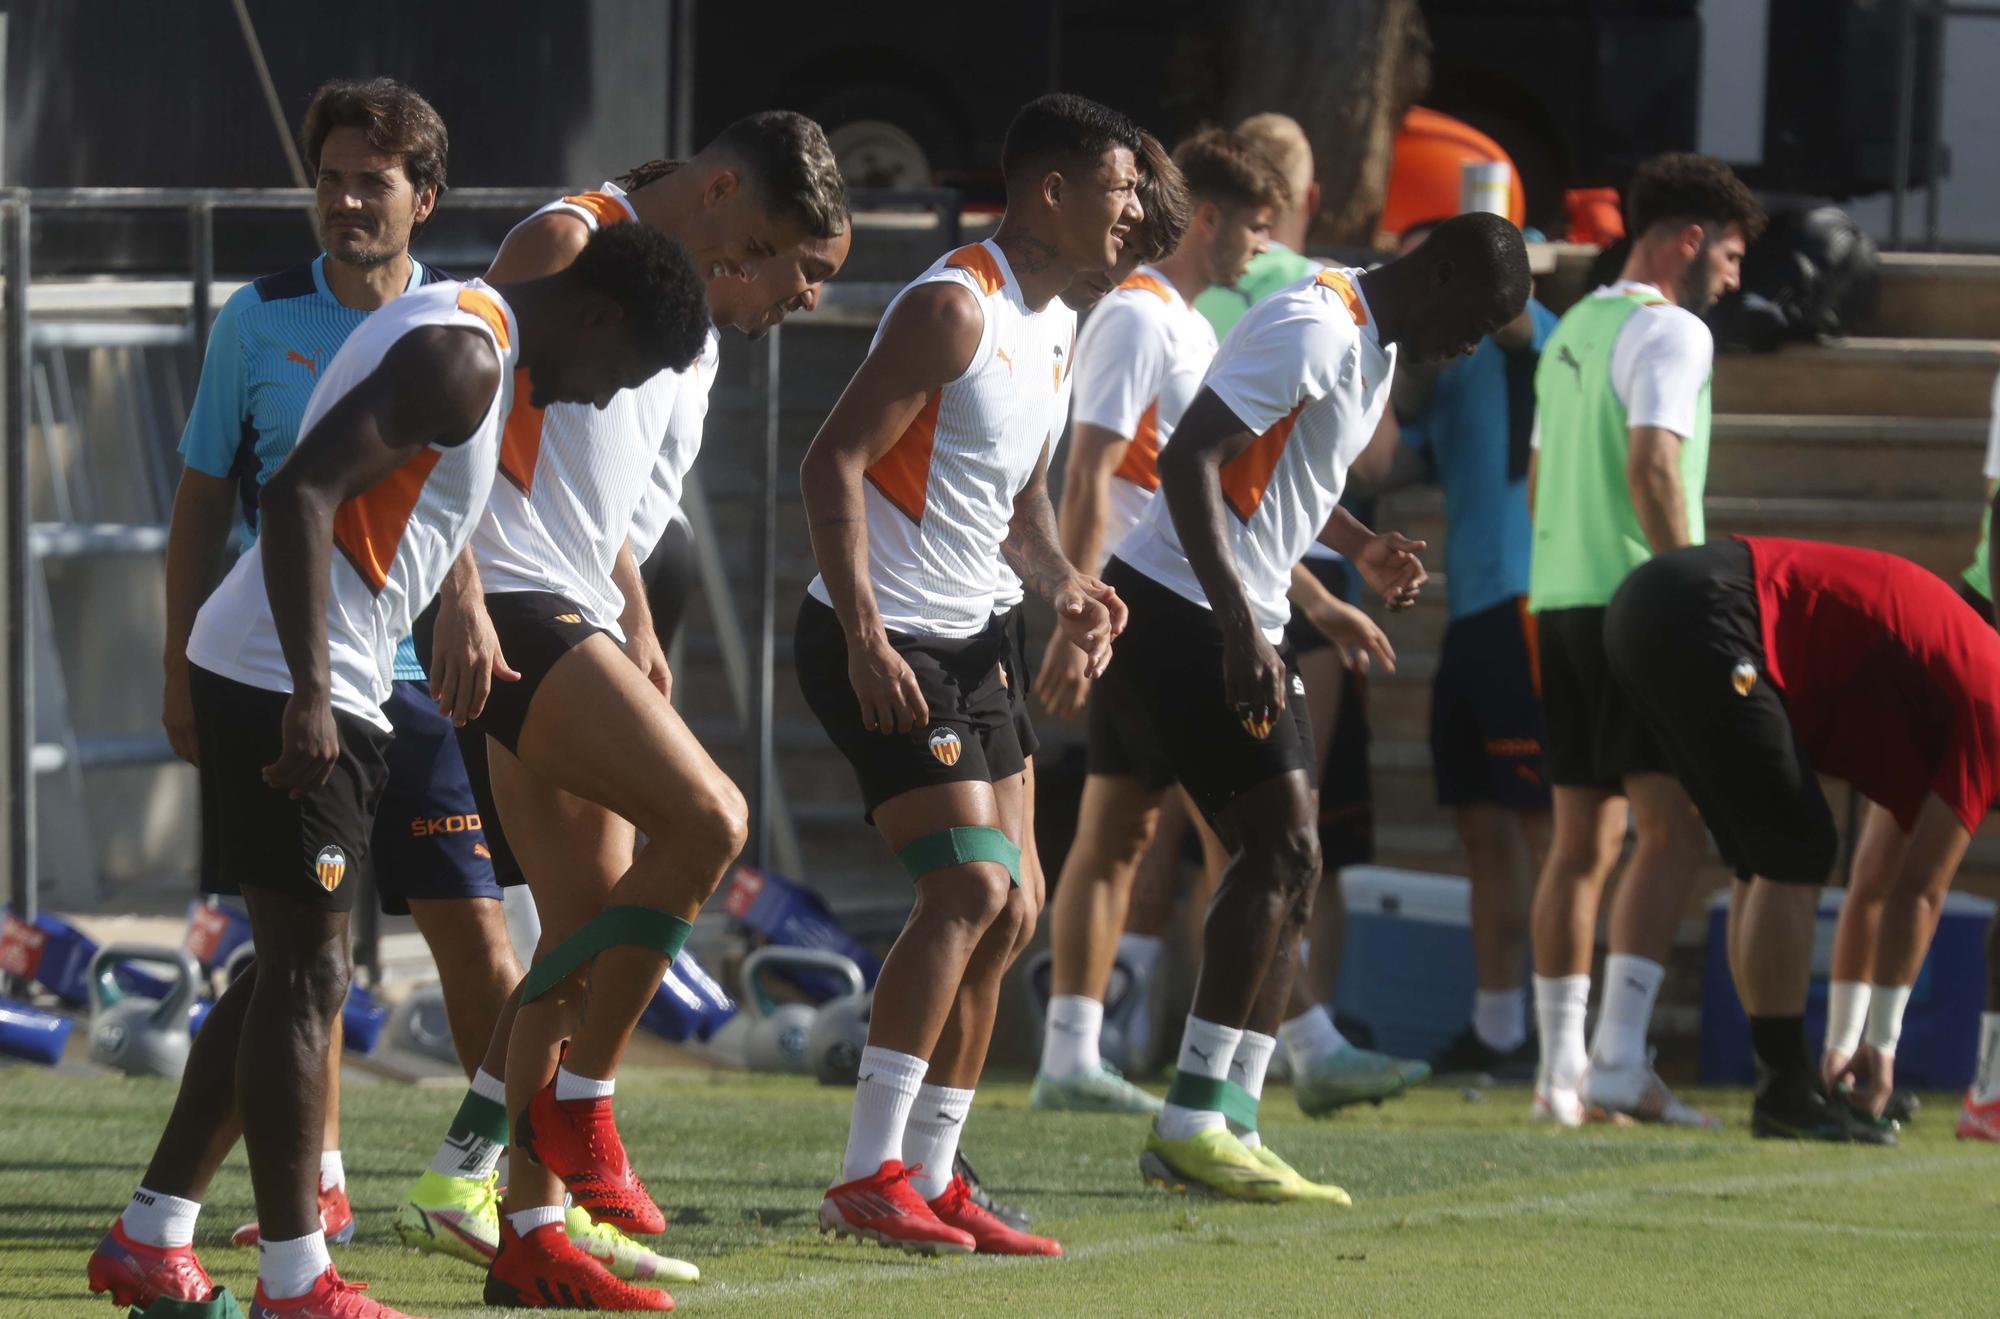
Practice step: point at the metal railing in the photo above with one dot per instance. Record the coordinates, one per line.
(1938, 13)
(749, 660)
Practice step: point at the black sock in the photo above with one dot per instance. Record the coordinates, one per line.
(1784, 1069)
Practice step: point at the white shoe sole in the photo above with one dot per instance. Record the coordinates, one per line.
(831, 1223)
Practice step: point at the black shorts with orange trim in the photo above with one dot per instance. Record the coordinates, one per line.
(1013, 629)
(1160, 708)
(535, 629)
(1486, 720)
(254, 836)
(432, 841)
(970, 737)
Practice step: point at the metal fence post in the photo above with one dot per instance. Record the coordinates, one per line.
(764, 771)
(20, 690)
(1906, 93)
(201, 269)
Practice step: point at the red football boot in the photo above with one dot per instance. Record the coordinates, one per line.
(992, 1236)
(137, 1274)
(887, 1210)
(1979, 1121)
(330, 1298)
(543, 1271)
(577, 1141)
(336, 1219)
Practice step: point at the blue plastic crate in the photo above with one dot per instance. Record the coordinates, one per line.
(1407, 969)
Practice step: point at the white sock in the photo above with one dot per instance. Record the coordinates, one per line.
(1985, 1081)
(1500, 1018)
(571, 1086)
(488, 1086)
(1560, 1002)
(154, 1218)
(1069, 1044)
(1206, 1051)
(930, 1136)
(289, 1268)
(332, 1172)
(1310, 1037)
(888, 1086)
(1247, 1068)
(1630, 986)
(525, 1221)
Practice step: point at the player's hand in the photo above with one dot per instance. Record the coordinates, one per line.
(1869, 1076)
(1353, 633)
(1390, 565)
(1253, 681)
(642, 647)
(311, 746)
(177, 711)
(465, 659)
(1088, 615)
(886, 686)
(1060, 684)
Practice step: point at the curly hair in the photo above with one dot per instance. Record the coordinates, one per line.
(654, 282)
(393, 117)
(1231, 169)
(1163, 196)
(1682, 187)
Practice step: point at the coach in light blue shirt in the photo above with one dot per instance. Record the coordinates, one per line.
(1475, 423)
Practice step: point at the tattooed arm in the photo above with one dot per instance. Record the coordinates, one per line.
(1089, 612)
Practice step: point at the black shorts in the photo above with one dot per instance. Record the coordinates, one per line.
(1683, 635)
(257, 837)
(1486, 721)
(1159, 713)
(1346, 789)
(1012, 628)
(431, 835)
(670, 573)
(1595, 736)
(535, 630)
(969, 739)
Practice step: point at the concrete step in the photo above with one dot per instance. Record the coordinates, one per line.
(1863, 377)
(1938, 295)
(1847, 457)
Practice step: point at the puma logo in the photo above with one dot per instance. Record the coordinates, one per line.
(1001, 353)
(1198, 1053)
(1568, 359)
(946, 1117)
(303, 361)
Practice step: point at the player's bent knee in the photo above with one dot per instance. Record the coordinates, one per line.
(973, 894)
(1293, 856)
(314, 980)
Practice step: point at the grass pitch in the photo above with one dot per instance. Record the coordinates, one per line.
(1460, 1208)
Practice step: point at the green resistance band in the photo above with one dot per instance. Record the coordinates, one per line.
(960, 846)
(637, 927)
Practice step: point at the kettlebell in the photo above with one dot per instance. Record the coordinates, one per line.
(778, 1033)
(839, 1033)
(142, 1036)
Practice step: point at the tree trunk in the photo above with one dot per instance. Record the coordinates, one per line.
(1347, 70)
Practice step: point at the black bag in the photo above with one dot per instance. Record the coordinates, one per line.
(1811, 277)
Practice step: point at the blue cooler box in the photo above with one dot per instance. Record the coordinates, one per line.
(1407, 968)
(1940, 1040)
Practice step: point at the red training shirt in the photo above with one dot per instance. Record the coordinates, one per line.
(1893, 684)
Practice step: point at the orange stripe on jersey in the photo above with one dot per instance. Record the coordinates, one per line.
(1141, 464)
(1344, 286)
(521, 436)
(1246, 476)
(1140, 280)
(484, 306)
(370, 526)
(603, 207)
(903, 474)
(980, 262)
(1533, 635)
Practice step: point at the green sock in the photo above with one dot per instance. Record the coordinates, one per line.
(478, 1131)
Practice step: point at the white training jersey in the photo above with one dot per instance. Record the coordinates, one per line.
(660, 505)
(1139, 363)
(395, 540)
(1305, 370)
(572, 475)
(1008, 590)
(939, 501)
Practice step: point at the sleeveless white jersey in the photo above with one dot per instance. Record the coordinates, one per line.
(940, 499)
(1139, 363)
(1306, 371)
(1008, 590)
(572, 475)
(395, 540)
(661, 503)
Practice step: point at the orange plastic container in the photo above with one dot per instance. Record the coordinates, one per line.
(1431, 150)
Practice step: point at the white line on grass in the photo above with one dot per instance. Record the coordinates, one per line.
(724, 1293)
